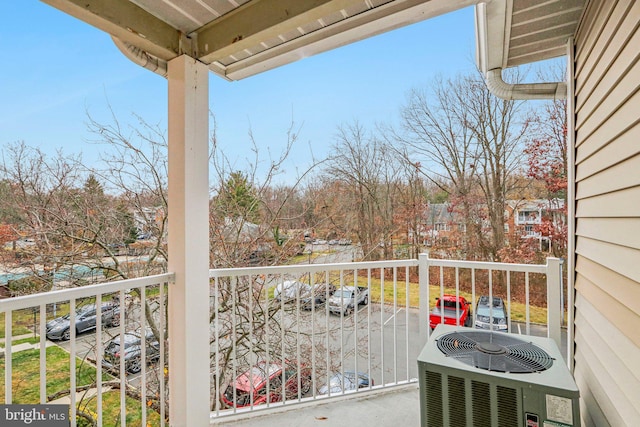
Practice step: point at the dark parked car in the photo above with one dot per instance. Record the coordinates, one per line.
(132, 352)
(256, 380)
(59, 328)
(497, 312)
(349, 381)
(318, 295)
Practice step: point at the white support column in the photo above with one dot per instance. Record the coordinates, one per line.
(189, 243)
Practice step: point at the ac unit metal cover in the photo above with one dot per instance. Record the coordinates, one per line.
(455, 393)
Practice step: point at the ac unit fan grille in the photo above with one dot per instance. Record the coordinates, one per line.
(495, 351)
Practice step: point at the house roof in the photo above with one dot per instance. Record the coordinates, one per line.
(240, 38)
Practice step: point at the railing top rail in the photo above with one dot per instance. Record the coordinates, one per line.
(485, 265)
(306, 268)
(26, 301)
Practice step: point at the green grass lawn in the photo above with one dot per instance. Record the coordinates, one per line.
(26, 386)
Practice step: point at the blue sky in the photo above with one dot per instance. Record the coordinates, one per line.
(56, 68)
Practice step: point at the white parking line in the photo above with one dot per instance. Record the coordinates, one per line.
(392, 316)
(519, 330)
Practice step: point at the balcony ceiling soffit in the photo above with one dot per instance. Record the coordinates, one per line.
(240, 38)
(524, 31)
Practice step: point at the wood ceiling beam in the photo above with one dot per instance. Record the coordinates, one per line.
(126, 21)
(259, 20)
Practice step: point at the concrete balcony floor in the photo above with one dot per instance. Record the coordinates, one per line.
(396, 406)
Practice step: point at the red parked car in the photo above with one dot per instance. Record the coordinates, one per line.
(451, 307)
(256, 380)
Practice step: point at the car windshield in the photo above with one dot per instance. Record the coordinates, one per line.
(342, 294)
(256, 375)
(483, 310)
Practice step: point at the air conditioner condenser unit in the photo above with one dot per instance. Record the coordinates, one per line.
(477, 378)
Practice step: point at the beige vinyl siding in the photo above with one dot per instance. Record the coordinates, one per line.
(604, 49)
(610, 301)
(619, 231)
(607, 171)
(623, 147)
(613, 178)
(616, 204)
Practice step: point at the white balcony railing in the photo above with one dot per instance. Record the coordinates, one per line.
(287, 316)
(253, 329)
(273, 343)
(78, 372)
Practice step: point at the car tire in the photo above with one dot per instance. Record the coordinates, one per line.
(348, 311)
(134, 366)
(66, 335)
(366, 300)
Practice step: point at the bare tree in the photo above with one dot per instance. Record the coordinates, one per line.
(468, 143)
(367, 175)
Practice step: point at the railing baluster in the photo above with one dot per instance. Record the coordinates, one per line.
(283, 380)
(491, 327)
(250, 311)
(143, 355)
(234, 353)
(216, 335)
(342, 314)
(369, 327)
(72, 360)
(163, 324)
(327, 331)
(457, 270)
(98, 352)
(382, 326)
(123, 370)
(395, 325)
(527, 318)
(312, 283)
(441, 302)
(355, 323)
(8, 357)
(43, 353)
(266, 326)
(508, 301)
(298, 362)
(406, 319)
(473, 289)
